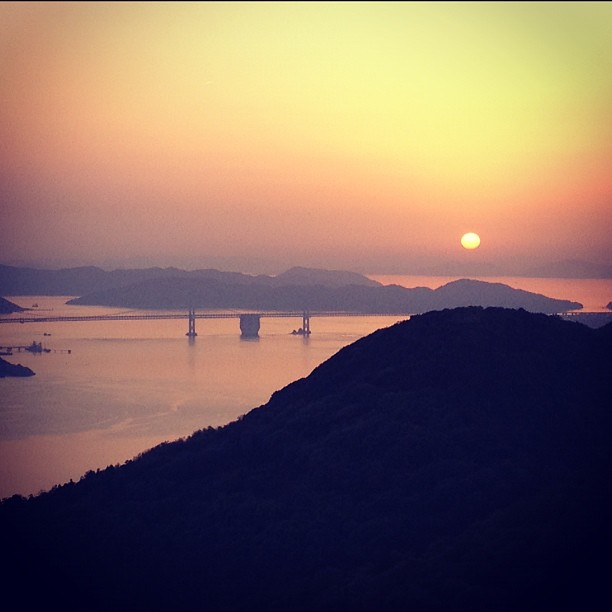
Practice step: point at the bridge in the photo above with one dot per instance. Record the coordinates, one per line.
(249, 322)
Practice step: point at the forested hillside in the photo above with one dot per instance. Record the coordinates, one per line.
(457, 460)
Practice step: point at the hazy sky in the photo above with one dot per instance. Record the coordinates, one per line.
(255, 136)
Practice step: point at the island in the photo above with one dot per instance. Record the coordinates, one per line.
(13, 369)
(8, 307)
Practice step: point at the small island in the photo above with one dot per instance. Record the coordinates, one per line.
(7, 307)
(12, 369)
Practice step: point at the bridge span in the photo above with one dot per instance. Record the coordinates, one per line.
(249, 321)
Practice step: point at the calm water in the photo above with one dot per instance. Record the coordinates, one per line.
(129, 385)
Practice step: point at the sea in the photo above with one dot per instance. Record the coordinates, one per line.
(106, 391)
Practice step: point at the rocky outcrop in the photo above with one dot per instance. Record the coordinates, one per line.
(7, 307)
(12, 369)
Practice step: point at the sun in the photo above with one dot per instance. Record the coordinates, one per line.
(470, 241)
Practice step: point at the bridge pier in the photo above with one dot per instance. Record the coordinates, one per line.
(249, 325)
(305, 329)
(191, 332)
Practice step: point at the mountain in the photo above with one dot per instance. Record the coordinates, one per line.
(83, 280)
(175, 293)
(78, 281)
(465, 292)
(296, 289)
(457, 460)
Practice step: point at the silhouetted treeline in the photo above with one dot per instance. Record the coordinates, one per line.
(458, 460)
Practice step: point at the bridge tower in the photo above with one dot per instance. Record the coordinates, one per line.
(191, 330)
(306, 323)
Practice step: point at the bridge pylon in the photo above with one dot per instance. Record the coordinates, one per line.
(306, 323)
(191, 332)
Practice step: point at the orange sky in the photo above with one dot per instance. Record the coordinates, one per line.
(261, 135)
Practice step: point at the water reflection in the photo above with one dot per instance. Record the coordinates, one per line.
(129, 385)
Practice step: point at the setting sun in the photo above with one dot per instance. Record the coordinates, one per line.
(202, 134)
(470, 241)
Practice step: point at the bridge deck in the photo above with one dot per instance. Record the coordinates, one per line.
(203, 315)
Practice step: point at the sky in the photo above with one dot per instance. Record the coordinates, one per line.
(255, 136)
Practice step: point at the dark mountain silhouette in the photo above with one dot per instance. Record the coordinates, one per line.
(7, 307)
(173, 293)
(13, 369)
(296, 289)
(466, 292)
(79, 281)
(70, 281)
(457, 460)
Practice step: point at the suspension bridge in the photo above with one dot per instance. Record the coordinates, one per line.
(249, 322)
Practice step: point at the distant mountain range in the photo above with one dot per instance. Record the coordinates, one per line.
(84, 280)
(295, 289)
(569, 268)
(175, 293)
(460, 460)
